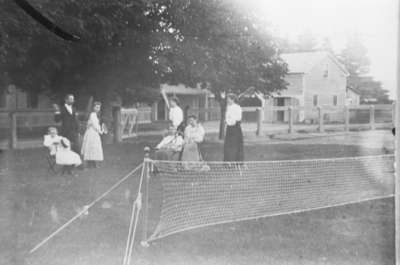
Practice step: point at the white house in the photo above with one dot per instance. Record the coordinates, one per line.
(314, 79)
(353, 96)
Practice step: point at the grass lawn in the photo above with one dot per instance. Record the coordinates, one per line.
(353, 234)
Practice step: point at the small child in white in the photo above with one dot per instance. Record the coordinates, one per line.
(60, 148)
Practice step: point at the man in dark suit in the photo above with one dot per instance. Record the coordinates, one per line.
(68, 117)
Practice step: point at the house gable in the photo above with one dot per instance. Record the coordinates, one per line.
(326, 80)
(295, 86)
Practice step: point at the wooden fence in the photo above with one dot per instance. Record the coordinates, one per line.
(324, 117)
(32, 124)
(126, 121)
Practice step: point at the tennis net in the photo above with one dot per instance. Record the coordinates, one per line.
(198, 194)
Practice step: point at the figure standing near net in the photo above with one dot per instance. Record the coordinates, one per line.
(194, 135)
(170, 147)
(68, 116)
(176, 115)
(92, 149)
(233, 145)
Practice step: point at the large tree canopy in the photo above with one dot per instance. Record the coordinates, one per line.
(128, 48)
(112, 56)
(214, 43)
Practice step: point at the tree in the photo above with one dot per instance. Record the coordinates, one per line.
(112, 58)
(306, 42)
(326, 45)
(128, 48)
(355, 58)
(212, 43)
(372, 91)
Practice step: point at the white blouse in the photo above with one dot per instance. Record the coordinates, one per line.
(54, 143)
(233, 114)
(94, 123)
(194, 134)
(176, 116)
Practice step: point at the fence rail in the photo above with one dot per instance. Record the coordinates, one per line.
(335, 117)
(29, 124)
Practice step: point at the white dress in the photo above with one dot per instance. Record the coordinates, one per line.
(92, 149)
(176, 116)
(60, 147)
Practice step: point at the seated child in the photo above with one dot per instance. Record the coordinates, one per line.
(170, 146)
(60, 148)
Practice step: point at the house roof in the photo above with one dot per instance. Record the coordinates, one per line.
(303, 62)
(183, 90)
(355, 90)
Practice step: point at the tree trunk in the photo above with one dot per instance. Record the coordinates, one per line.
(222, 120)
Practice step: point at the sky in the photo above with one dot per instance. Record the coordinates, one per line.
(375, 21)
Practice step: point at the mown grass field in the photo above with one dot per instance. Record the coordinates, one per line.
(354, 234)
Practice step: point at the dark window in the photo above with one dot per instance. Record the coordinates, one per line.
(280, 102)
(326, 71)
(334, 100)
(315, 100)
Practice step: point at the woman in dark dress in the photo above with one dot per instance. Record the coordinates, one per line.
(233, 146)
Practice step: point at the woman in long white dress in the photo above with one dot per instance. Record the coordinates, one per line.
(176, 115)
(92, 149)
(194, 135)
(60, 149)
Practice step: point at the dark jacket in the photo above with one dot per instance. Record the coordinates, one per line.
(69, 123)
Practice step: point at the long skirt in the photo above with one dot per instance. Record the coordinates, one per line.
(92, 149)
(191, 152)
(191, 157)
(233, 146)
(66, 157)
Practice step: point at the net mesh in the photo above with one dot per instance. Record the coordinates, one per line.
(198, 194)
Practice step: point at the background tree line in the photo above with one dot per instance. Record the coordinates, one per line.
(129, 47)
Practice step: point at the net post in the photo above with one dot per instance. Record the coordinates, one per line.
(116, 112)
(259, 121)
(372, 117)
(146, 180)
(320, 119)
(346, 119)
(290, 112)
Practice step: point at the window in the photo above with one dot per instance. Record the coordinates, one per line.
(334, 100)
(326, 71)
(280, 102)
(315, 100)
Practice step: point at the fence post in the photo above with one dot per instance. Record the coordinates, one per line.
(394, 114)
(290, 112)
(346, 119)
(320, 119)
(117, 124)
(146, 182)
(259, 121)
(13, 130)
(372, 117)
